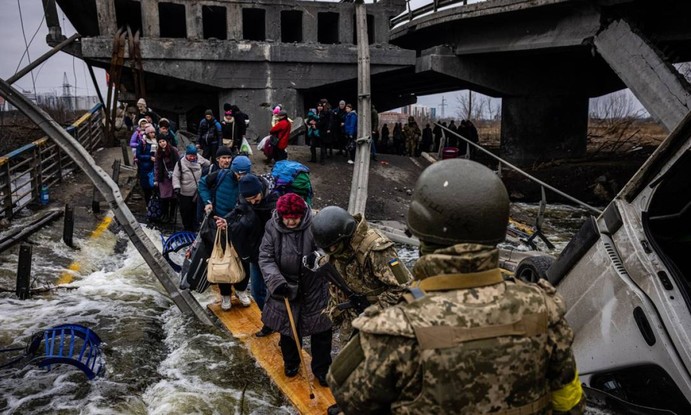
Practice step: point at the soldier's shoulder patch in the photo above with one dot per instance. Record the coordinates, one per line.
(391, 321)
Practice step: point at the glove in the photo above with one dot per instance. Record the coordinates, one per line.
(177, 192)
(281, 290)
(311, 260)
(289, 291)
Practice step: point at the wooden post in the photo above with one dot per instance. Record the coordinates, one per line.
(68, 226)
(95, 204)
(116, 171)
(125, 152)
(358, 189)
(24, 272)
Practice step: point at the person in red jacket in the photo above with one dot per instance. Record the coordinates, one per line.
(282, 131)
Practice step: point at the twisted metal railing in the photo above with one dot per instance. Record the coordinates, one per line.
(25, 171)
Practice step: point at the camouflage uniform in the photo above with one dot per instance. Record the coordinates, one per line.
(498, 347)
(370, 266)
(412, 135)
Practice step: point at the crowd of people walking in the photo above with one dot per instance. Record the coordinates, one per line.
(327, 274)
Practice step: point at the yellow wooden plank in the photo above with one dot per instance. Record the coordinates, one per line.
(243, 322)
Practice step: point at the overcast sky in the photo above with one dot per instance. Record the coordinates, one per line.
(48, 78)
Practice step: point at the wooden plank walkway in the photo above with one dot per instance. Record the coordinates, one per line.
(243, 322)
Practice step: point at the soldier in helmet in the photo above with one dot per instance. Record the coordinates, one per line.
(364, 260)
(466, 341)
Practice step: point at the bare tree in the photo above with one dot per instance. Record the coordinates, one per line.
(614, 122)
(477, 107)
(616, 106)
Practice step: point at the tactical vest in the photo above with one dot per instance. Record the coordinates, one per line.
(479, 358)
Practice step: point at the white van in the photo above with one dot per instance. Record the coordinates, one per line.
(626, 279)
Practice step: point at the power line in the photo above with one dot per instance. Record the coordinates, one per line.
(30, 42)
(26, 45)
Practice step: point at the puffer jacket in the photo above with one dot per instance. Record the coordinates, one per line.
(223, 193)
(187, 174)
(280, 257)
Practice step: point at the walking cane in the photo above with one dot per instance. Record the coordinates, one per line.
(297, 343)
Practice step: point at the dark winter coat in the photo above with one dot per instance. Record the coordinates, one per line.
(163, 170)
(247, 222)
(280, 257)
(210, 132)
(324, 125)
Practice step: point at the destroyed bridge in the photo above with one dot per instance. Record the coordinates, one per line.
(544, 58)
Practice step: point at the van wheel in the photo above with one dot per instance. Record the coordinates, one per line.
(532, 268)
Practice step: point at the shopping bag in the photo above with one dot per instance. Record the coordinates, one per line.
(225, 266)
(245, 147)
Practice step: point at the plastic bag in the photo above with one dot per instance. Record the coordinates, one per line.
(262, 143)
(245, 147)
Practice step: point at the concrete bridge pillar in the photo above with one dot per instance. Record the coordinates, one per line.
(258, 103)
(542, 128)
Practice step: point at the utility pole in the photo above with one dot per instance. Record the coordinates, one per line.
(442, 105)
(66, 95)
(358, 189)
(470, 104)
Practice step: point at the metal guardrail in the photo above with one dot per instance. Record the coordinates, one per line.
(24, 171)
(501, 162)
(431, 7)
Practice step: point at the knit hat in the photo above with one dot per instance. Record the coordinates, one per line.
(142, 122)
(341, 102)
(250, 185)
(229, 112)
(291, 206)
(282, 113)
(163, 122)
(150, 129)
(191, 149)
(141, 101)
(208, 112)
(277, 109)
(227, 107)
(241, 165)
(223, 151)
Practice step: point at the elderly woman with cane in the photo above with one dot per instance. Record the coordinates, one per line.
(286, 239)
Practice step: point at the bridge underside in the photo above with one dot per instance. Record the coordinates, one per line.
(561, 54)
(183, 78)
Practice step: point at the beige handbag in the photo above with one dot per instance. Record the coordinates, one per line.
(225, 267)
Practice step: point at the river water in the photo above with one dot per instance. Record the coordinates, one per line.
(158, 361)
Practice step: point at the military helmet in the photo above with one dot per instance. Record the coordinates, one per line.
(459, 201)
(332, 225)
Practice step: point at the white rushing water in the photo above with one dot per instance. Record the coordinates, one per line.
(157, 360)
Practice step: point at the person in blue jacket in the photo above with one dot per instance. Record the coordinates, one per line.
(350, 128)
(219, 190)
